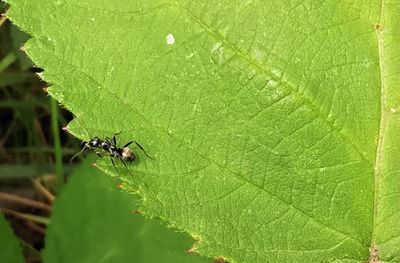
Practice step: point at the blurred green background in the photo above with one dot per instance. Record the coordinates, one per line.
(33, 147)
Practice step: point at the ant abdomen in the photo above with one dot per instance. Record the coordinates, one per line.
(127, 154)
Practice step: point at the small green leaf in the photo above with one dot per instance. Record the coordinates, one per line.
(273, 124)
(93, 222)
(10, 250)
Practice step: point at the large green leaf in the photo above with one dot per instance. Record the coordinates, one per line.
(10, 250)
(273, 124)
(93, 222)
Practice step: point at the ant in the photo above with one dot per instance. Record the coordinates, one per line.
(109, 146)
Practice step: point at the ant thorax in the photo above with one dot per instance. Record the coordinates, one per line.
(105, 145)
(94, 142)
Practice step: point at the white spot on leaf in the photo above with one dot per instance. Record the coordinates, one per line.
(277, 72)
(190, 55)
(215, 47)
(170, 39)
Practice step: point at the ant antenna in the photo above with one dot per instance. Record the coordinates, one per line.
(76, 155)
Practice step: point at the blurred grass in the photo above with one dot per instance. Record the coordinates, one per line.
(56, 141)
(32, 145)
(30, 122)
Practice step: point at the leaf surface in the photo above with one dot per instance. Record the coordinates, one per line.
(10, 250)
(273, 124)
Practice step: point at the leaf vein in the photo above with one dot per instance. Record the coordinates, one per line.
(309, 103)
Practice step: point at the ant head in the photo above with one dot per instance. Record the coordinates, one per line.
(128, 155)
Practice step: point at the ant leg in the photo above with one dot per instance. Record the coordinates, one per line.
(126, 166)
(112, 161)
(123, 162)
(108, 140)
(114, 137)
(142, 149)
(126, 145)
(115, 167)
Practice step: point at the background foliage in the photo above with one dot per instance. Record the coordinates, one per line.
(94, 222)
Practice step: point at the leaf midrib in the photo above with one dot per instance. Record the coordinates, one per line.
(380, 151)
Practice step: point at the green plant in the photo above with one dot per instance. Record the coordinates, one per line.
(273, 124)
(92, 221)
(9, 247)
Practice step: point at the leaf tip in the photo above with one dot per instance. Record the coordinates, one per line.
(4, 17)
(40, 75)
(220, 259)
(66, 129)
(191, 251)
(136, 212)
(24, 50)
(196, 238)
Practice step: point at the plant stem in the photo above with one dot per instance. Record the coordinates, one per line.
(57, 143)
(8, 60)
(24, 201)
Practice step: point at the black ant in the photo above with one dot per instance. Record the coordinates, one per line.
(109, 146)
